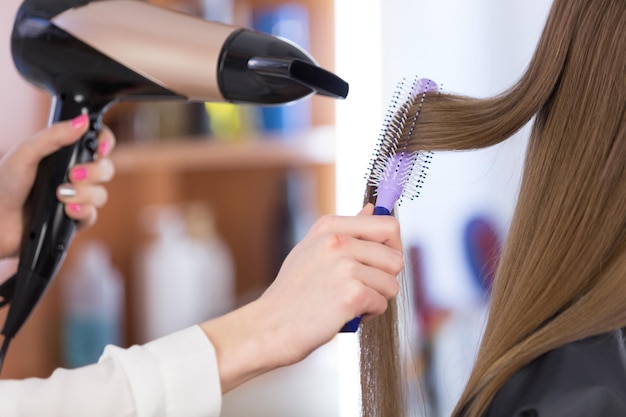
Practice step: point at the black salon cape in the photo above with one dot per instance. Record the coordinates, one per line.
(586, 378)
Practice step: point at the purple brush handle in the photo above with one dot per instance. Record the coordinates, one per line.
(353, 325)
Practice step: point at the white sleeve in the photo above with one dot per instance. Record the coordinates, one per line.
(173, 376)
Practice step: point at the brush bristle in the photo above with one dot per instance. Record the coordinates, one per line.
(393, 167)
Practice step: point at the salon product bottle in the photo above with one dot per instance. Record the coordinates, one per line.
(227, 121)
(290, 21)
(177, 283)
(93, 296)
(216, 263)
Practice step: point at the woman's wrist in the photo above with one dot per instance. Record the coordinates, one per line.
(246, 344)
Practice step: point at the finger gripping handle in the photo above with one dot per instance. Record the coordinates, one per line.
(48, 231)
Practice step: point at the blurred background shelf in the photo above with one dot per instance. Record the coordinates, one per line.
(312, 147)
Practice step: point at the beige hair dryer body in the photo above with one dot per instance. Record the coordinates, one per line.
(89, 54)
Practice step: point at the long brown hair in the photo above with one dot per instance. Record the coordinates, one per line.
(562, 275)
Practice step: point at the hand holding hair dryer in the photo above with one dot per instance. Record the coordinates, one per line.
(89, 54)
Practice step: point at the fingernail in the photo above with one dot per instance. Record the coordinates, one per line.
(104, 148)
(79, 121)
(67, 191)
(79, 173)
(74, 207)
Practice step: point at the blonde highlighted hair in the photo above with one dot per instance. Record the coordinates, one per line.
(562, 274)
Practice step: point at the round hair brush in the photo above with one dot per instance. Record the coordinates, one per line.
(395, 172)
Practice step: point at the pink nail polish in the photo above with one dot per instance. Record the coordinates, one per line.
(74, 207)
(79, 121)
(104, 148)
(79, 173)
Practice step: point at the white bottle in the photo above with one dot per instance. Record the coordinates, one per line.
(177, 275)
(215, 261)
(93, 299)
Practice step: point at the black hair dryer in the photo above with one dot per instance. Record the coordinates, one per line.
(90, 54)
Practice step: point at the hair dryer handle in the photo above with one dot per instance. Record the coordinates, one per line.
(48, 231)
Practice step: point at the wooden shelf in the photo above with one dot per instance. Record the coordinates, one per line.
(315, 147)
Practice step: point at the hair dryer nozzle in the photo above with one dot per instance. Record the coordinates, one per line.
(317, 79)
(263, 69)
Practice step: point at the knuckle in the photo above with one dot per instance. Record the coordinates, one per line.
(397, 262)
(108, 169)
(334, 241)
(88, 216)
(379, 306)
(91, 218)
(107, 134)
(349, 268)
(394, 287)
(393, 225)
(105, 196)
(323, 225)
(355, 295)
(102, 197)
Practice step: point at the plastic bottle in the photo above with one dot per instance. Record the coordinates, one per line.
(93, 296)
(216, 263)
(183, 280)
(290, 21)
